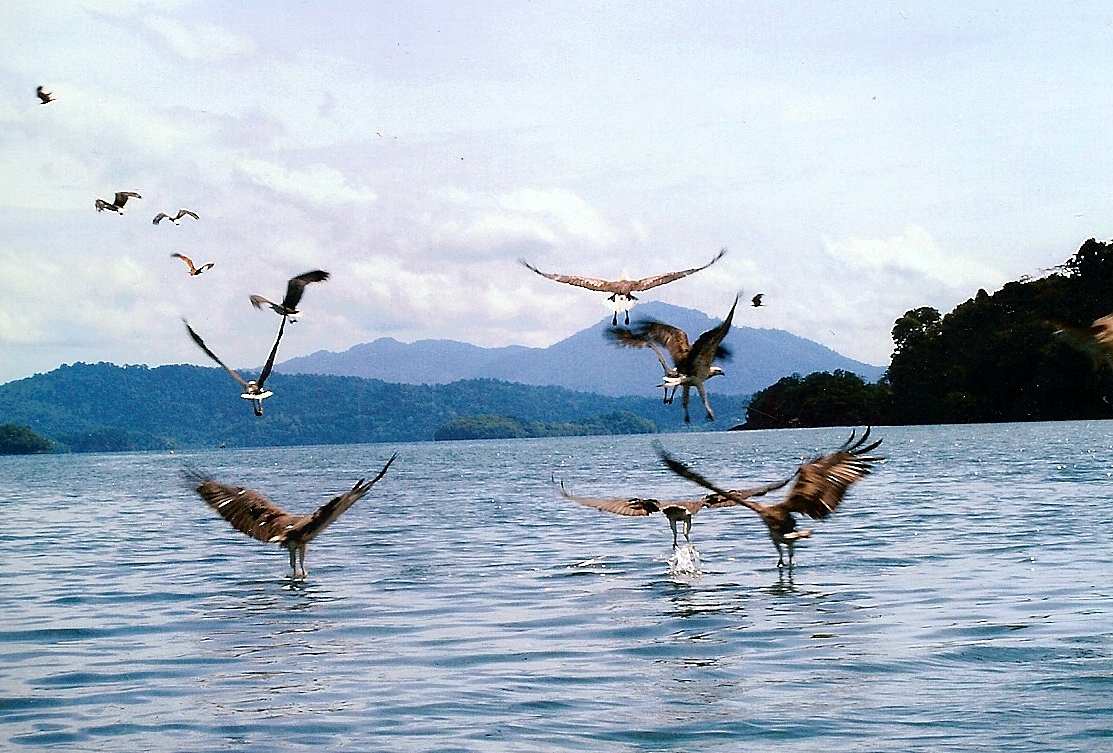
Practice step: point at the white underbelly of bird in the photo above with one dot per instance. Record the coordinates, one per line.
(621, 303)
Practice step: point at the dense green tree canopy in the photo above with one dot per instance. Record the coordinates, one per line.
(505, 427)
(22, 440)
(1004, 357)
(819, 399)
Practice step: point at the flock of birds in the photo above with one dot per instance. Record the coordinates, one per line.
(819, 487)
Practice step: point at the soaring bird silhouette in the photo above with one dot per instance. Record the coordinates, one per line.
(621, 291)
(692, 365)
(677, 511)
(194, 271)
(117, 204)
(294, 290)
(820, 485)
(176, 219)
(253, 389)
(45, 97)
(756, 300)
(252, 513)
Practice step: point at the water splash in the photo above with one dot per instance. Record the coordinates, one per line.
(684, 560)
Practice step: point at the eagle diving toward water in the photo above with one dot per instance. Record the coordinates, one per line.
(253, 389)
(692, 365)
(250, 512)
(294, 290)
(193, 271)
(621, 291)
(676, 511)
(45, 97)
(176, 219)
(820, 485)
(117, 204)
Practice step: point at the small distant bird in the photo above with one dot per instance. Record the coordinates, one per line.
(176, 219)
(677, 511)
(621, 291)
(45, 97)
(252, 388)
(756, 300)
(294, 290)
(117, 204)
(193, 271)
(820, 485)
(692, 365)
(250, 512)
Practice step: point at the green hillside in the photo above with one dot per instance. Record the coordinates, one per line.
(95, 407)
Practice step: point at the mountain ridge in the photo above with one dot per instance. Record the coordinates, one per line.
(584, 361)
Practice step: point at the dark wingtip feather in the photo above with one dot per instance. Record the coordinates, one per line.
(194, 477)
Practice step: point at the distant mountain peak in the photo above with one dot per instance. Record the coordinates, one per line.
(585, 361)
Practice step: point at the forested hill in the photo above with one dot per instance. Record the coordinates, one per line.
(108, 407)
(1024, 353)
(1020, 354)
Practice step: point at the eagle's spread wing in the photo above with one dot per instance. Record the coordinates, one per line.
(248, 511)
(646, 332)
(734, 496)
(270, 359)
(201, 344)
(188, 261)
(720, 496)
(652, 282)
(591, 283)
(631, 506)
(708, 347)
(821, 483)
(296, 287)
(311, 525)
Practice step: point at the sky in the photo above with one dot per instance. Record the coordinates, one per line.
(857, 160)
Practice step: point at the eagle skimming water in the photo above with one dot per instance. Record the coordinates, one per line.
(250, 512)
(821, 483)
(676, 511)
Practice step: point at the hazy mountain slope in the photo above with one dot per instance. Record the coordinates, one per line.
(586, 361)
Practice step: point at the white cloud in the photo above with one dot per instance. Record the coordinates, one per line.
(319, 183)
(546, 216)
(574, 215)
(912, 251)
(202, 42)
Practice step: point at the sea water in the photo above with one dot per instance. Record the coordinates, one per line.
(958, 599)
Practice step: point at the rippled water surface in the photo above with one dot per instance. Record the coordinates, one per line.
(958, 600)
